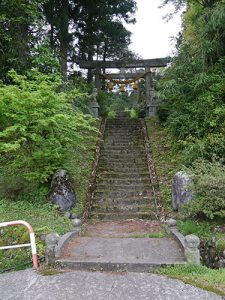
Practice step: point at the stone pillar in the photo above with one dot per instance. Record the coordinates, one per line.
(76, 223)
(150, 93)
(95, 109)
(51, 241)
(98, 83)
(191, 251)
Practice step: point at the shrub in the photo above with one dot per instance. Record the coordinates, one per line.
(39, 130)
(111, 114)
(133, 114)
(209, 189)
(113, 102)
(202, 230)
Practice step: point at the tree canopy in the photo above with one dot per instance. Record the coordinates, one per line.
(73, 29)
(194, 86)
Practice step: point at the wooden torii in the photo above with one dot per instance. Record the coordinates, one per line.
(147, 64)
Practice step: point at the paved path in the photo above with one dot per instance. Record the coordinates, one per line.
(80, 285)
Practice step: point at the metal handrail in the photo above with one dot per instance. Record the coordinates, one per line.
(32, 243)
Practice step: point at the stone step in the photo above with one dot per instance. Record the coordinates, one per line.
(123, 129)
(115, 216)
(126, 145)
(129, 148)
(122, 169)
(125, 140)
(122, 187)
(122, 194)
(125, 201)
(129, 134)
(120, 254)
(123, 152)
(122, 208)
(121, 161)
(127, 175)
(127, 121)
(122, 126)
(122, 136)
(123, 181)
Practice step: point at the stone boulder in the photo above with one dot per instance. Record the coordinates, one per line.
(61, 191)
(181, 193)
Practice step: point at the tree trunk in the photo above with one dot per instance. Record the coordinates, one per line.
(64, 35)
(103, 70)
(90, 73)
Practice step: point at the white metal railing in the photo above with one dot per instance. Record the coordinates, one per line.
(32, 243)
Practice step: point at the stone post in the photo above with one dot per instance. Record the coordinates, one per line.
(191, 251)
(150, 93)
(51, 241)
(95, 109)
(98, 83)
(76, 223)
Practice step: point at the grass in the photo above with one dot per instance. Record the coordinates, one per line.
(167, 162)
(201, 229)
(200, 276)
(160, 234)
(44, 217)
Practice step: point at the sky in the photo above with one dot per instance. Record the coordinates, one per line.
(151, 35)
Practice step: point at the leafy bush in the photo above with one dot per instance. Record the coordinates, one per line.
(32, 208)
(202, 230)
(133, 114)
(113, 102)
(39, 130)
(111, 114)
(209, 190)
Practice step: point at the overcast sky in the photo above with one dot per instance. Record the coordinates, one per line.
(151, 35)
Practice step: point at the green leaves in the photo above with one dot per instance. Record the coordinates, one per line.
(39, 128)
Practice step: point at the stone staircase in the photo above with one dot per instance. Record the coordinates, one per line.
(123, 189)
(116, 237)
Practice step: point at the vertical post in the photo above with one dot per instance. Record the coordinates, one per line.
(98, 83)
(149, 91)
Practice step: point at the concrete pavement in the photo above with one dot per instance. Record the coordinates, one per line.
(80, 285)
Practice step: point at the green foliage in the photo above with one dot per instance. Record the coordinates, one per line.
(111, 114)
(209, 190)
(200, 276)
(157, 235)
(133, 114)
(32, 208)
(21, 28)
(167, 162)
(45, 60)
(113, 102)
(39, 130)
(193, 87)
(203, 230)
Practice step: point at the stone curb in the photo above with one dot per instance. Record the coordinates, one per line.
(114, 267)
(64, 240)
(189, 244)
(177, 236)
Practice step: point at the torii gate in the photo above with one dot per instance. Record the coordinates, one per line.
(147, 64)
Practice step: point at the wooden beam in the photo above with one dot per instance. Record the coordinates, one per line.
(141, 63)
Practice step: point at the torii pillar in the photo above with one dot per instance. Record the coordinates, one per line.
(149, 92)
(98, 82)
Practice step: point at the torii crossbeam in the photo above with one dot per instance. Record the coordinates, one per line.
(140, 63)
